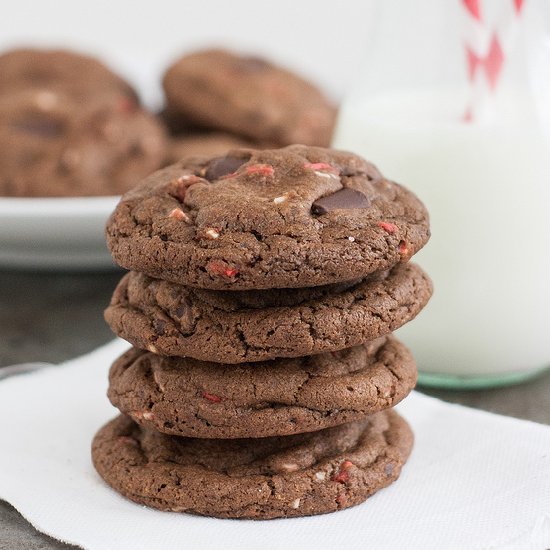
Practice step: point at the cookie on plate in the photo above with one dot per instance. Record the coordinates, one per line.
(182, 396)
(59, 70)
(52, 144)
(296, 475)
(293, 217)
(238, 327)
(248, 96)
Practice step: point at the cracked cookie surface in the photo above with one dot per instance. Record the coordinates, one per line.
(238, 327)
(293, 217)
(182, 396)
(296, 475)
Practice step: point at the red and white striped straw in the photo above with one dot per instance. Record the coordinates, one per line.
(487, 42)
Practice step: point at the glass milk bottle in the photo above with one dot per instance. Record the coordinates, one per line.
(453, 101)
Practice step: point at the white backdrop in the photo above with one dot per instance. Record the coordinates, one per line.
(323, 40)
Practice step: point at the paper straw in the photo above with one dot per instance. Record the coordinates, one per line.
(487, 44)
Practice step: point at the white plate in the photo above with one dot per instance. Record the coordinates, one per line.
(55, 233)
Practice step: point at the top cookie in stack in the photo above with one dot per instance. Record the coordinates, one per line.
(263, 290)
(286, 218)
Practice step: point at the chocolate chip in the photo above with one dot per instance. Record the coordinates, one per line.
(185, 314)
(40, 126)
(158, 325)
(345, 198)
(222, 166)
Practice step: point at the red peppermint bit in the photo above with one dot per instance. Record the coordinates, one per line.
(388, 227)
(212, 397)
(342, 499)
(403, 248)
(343, 474)
(261, 169)
(322, 166)
(181, 185)
(220, 268)
(126, 105)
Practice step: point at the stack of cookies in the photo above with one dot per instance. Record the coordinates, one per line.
(263, 291)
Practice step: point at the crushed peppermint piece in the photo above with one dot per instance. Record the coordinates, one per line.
(320, 476)
(212, 233)
(261, 169)
(351, 239)
(179, 214)
(212, 397)
(403, 248)
(321, 166)
(343, 473)
(279, 200)
(295, 504)
(388, 227)
(219, 268)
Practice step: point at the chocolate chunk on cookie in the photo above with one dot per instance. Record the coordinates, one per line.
(238, 327)
(53, 144)
(185, 397)
(250, 97)
(296, 475)
(292, 217)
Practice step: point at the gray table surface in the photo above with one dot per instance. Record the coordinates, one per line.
(52, 317)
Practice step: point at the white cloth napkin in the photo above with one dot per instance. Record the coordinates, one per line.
(474, 481)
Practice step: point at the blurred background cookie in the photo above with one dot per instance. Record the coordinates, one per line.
(204, 144)
(54, 144)
(247, 96)
(71, 127)
(74, 73)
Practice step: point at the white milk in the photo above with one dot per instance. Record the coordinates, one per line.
(487, 188)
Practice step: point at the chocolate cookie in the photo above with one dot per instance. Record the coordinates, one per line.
(292, 217)
(209, 144)
(182, 396)
(52, 144)
(238, 327)
(296, 475)
(59, 70)
(248, 96)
